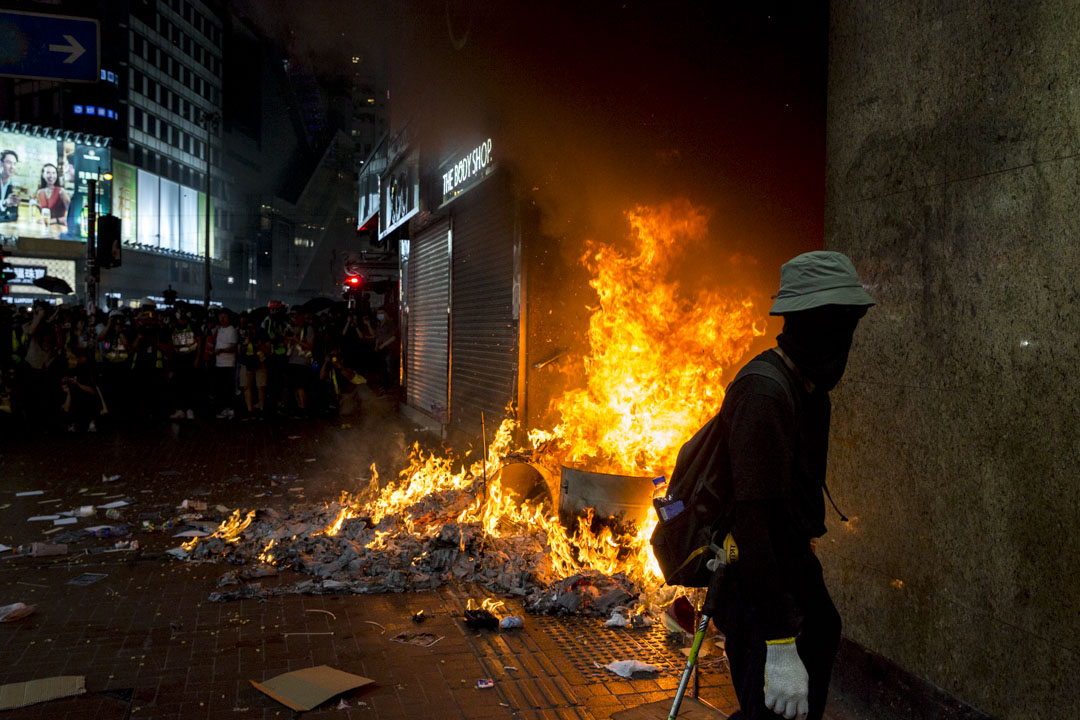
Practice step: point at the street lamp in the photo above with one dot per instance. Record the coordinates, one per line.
(209, 122)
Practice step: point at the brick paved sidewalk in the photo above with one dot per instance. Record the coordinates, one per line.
(151, 645)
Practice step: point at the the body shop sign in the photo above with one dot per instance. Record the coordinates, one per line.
(467, 171)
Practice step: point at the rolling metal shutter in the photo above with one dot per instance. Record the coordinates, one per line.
(484, 326)
(428, 300)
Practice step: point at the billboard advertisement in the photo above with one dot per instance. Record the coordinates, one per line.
(125, 200)
(43, 186)
(159, 213)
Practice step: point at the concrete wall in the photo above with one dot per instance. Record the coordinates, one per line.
(953, 181)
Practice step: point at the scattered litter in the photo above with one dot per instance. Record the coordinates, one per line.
(509, 667)
(617, 620)
(65, 521)
(192, 533)
(283, 477)
(114, 514)
(419, 617)
(308, 688)
(485, 683)
(679, 616)
(126, 545)
(222, 509)
(114, 505)
(5, 506)
(626, 668)
(511, 622)
(81, 491)
(309, 459)
(372, 622)
(327, 612)
(40, 518)
(421, 639)
(49, 502)
(296, 489)
(199, 505)
(294, 437)
(109, 478)
(238, 479)
(50, 531)
(87, 579)
(28, 493)
(289, 634)
(16, 611)
(84, 511)
(4, 548)
(20, 582)
(342, 705)
(168, 472)
(17, 695)
(46, 550)
(177, 552)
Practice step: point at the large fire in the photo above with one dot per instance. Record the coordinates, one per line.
(658, 360)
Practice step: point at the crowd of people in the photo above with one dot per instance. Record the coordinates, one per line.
(65, 370)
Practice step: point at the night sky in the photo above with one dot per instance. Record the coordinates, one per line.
(604, 105)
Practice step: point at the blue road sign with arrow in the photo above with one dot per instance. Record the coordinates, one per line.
(49, 47)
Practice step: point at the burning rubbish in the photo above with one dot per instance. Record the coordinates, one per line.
(503, 521)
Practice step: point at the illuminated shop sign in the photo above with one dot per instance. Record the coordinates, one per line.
(400, 190)
(467, 171)
(29, 269)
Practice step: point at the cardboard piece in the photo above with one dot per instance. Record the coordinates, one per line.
(308, 688)
(17, 695)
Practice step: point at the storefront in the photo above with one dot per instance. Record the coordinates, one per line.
(463, 297)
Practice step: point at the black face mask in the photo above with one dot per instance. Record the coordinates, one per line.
(818, 341)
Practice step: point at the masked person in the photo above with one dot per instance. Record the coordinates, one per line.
(183, 357)
(782, 630)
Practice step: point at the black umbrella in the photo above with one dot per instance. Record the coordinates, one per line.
(53, 285)
(257, 315)
(316, 305)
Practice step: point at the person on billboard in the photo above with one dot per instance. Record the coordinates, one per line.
(9, 199)
(52, 199)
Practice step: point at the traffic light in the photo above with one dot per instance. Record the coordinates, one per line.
(108, 241)
(170, 296)
(7, 274)
(351, 288)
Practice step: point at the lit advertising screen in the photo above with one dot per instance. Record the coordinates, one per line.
(125, 199)
(43, 186)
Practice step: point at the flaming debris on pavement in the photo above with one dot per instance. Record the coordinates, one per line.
(654, 375)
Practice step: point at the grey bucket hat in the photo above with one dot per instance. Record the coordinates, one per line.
(817, 278)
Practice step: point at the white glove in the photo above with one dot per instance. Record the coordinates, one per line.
(787, 686)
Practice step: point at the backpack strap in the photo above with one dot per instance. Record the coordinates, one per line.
(766, 369)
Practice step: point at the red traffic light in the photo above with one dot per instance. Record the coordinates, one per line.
(353, 281)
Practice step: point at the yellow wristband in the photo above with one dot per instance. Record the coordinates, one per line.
(780, 641)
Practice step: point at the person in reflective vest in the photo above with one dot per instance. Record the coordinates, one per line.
(183, 357)
(114, 355)
(276, 326)
(344, 383)
(148, 364)
(255, 349)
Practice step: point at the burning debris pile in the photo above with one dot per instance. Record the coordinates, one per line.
(653, 377)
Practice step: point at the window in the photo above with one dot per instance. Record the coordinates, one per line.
(138, 118)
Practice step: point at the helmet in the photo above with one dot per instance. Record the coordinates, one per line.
(817, 278)
(275, 305)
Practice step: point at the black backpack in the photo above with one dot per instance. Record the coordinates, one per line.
(698, 510)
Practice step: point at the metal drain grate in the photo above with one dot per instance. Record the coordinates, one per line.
(588, 644)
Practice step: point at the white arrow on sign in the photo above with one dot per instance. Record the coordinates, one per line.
(72, 47)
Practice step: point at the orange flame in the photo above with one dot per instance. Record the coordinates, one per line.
(653, 377)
